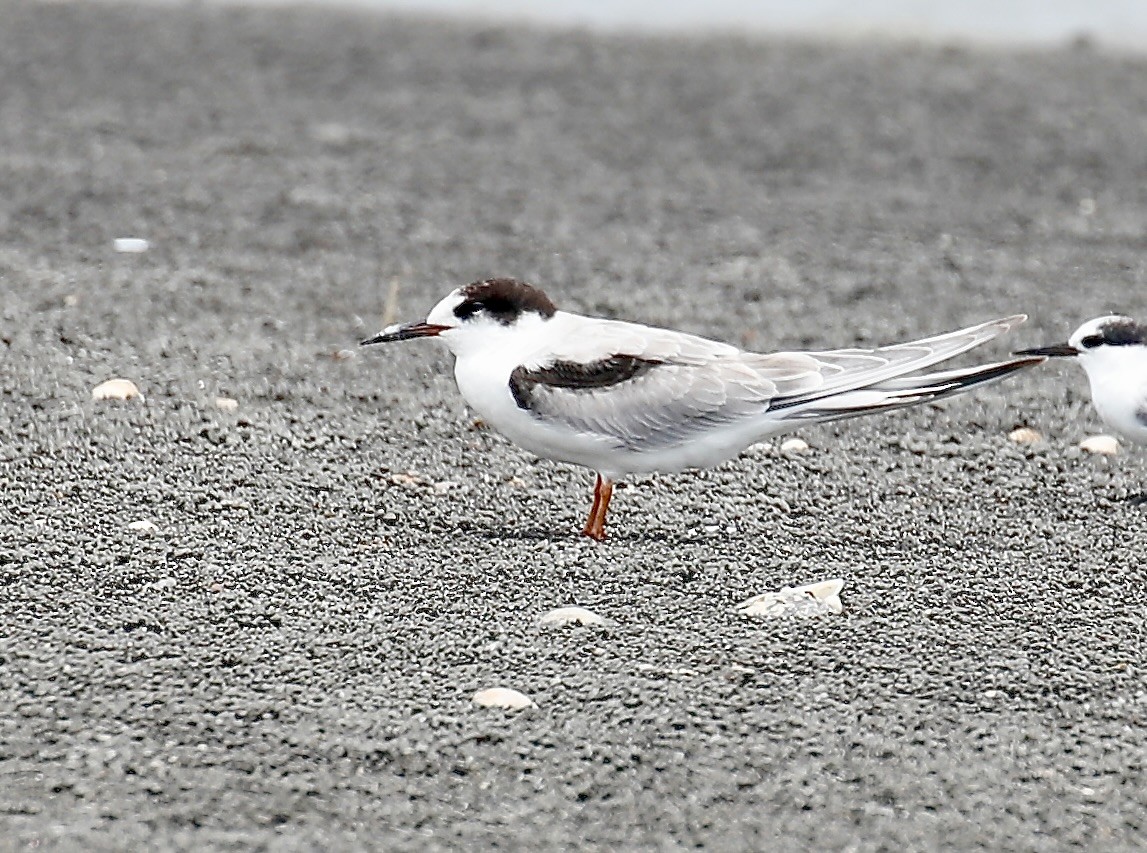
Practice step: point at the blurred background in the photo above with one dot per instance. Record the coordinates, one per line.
(1117, 23)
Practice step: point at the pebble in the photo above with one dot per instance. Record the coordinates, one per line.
(331, 133)
(502, 697)
(226, 404)
(1025, 435)
(808, 600)
(143, 526)
(131, 245)
(1106, 445)
(570, 616)
(655, 669)
(794, 445)
(116, 389)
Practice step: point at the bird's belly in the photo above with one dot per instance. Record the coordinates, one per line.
(1123, 409)
(489, 395)
(1125, 416)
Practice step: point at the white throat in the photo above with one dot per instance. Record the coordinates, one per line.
(517, 343)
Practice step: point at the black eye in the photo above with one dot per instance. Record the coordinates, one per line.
(1091, 341)
(494, 307)
(467, 309)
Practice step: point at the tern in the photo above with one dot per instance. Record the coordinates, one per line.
(1113, 352)
(623, 398)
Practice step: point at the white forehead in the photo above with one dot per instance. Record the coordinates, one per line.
(1095, 327)
(443, 312)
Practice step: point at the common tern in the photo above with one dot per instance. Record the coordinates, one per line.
(1113, 352)
(622, 398)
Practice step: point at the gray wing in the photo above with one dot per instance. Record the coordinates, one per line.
(641, 404)
(643, 388)
(665, 387)
(849, 369)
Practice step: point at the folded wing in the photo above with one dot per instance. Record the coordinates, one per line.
(659, 389)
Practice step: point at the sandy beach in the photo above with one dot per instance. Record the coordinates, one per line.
(339, 561)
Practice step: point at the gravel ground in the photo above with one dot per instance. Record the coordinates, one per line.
(287, 661)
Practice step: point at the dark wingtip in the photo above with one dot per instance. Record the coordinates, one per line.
(992, 372)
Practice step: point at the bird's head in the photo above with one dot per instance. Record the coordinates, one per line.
(477, 316)
(1103, 343)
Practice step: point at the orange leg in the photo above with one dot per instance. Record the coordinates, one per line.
(595, 524)
(586, 531)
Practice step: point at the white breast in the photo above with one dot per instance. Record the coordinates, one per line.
(1118, 378)
(483, 376)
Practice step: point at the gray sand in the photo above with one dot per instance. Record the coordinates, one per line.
(287, 663)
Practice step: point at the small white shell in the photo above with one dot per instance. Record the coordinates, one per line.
(502, 697)
(226, 404)
(116, 389)
(808, 600)
(570, 616)
(131, 245)
(331, 133)
(143, 526)
(1025, 435)
(794, 445)
(1106, 445)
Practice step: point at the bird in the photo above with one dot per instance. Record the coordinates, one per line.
(623, 398)
(1113, 352)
